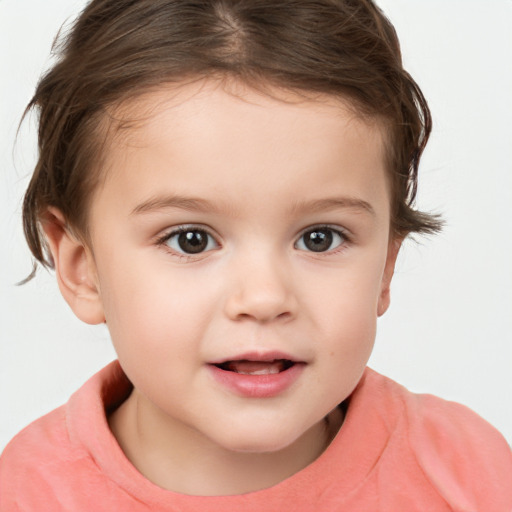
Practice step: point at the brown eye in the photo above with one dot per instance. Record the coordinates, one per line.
(320, 240)
(191, 241)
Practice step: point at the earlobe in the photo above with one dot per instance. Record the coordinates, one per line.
(74, 268)
(389, 269)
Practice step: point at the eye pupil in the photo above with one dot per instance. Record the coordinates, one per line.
(193, 242)
(318, 240)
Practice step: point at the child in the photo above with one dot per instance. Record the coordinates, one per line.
(227, 185)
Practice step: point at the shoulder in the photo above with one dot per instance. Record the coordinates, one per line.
(33, 457)
(34, 441)
(458, 449)
(60, 451)
(461, 454)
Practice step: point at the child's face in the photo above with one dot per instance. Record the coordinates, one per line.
(241, 227)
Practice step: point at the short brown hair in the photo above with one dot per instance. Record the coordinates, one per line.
(120, 48)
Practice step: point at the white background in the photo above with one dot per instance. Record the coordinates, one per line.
(449, 330)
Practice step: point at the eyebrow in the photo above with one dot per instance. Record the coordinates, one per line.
(192, 204)
(334, 203)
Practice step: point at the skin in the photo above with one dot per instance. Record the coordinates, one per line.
(255, 171)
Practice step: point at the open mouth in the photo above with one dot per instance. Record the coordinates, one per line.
(257, 375)
(246, 367)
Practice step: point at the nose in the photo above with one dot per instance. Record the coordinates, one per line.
(261, 289)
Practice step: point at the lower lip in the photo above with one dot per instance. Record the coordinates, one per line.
(257, 386)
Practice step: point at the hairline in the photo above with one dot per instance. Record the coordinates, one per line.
(112, 122)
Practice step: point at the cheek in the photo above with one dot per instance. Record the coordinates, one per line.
(345, 305)
(350, 292)
(153, 312)
(349, 330)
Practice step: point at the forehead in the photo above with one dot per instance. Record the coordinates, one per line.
(204, 135)
(133, 119)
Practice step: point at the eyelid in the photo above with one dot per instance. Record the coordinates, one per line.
(341, 231)
(183, 228)
(335, 227)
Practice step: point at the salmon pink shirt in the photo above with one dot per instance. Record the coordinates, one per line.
(395, 452)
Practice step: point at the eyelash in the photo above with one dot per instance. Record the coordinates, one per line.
(163, 240)
(345, 239)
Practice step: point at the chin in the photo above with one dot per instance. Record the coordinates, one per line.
(260, 441)
(260, 447)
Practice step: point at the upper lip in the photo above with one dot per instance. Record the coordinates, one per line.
(264, 356)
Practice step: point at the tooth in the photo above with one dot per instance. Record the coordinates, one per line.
(263, 371)
(245, 367)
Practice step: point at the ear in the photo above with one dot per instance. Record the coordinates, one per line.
(74, 268)
(389, 269)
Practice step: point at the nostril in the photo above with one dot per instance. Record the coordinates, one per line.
(264, 318)
(260, 300)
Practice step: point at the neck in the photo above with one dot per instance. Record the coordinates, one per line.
(188, 463)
